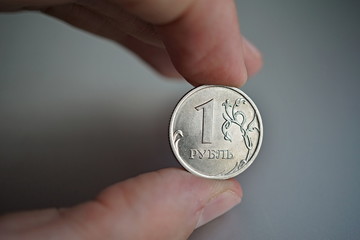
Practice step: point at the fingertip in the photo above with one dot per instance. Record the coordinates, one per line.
(217, 206)
(235, 75)
(236, 187)
(202, 49)
(252, 57)
(180, 200)
(228, 196)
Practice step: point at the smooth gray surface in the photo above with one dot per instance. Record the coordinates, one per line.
(74, 109)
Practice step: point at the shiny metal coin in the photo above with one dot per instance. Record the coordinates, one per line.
(216, 131)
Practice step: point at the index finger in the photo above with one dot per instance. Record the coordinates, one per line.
(202, 37)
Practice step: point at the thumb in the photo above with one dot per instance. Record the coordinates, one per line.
(167, 204)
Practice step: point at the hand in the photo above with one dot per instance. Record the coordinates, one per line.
(202, 39)
(167, 204)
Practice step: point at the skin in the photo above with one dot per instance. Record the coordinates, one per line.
(198, 40)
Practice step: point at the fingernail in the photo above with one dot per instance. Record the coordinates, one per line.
(217, 206)
(248, 46)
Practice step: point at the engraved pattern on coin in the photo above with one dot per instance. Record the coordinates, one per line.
(215, 131)
(231, 116)
(177, 135)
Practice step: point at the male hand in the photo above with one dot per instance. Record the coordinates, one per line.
(201, 41)
(163, 205)
(201, 37)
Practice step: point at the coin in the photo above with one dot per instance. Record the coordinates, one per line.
(215, 131)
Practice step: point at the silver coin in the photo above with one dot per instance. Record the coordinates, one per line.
(216, 131)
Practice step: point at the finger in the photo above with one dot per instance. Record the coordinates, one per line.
(252, 57)
(99, 24)
(125, 21)
(145, 32)
(101, 18)
(205, 44)
(201, 36)
(168, 204)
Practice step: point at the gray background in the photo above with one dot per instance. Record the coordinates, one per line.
(75, 109)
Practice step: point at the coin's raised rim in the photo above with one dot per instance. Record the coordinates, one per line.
(171, 130)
